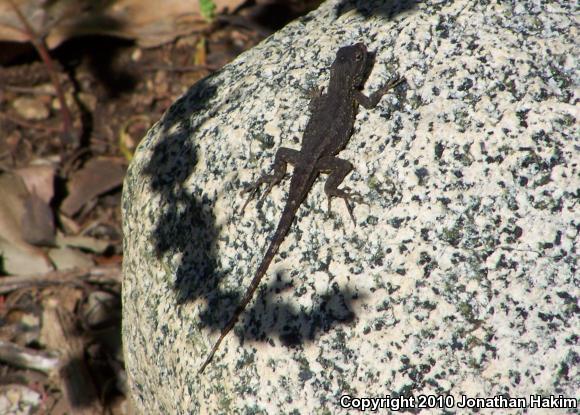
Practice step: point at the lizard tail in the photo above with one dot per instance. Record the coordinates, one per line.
(281, 231)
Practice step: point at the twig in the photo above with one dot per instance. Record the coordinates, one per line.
(96, 275)
(40, 46)
(28, 358)
(59, 333)
(31, 90)
(27, 124)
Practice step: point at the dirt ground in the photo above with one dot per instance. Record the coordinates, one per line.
(70, 119)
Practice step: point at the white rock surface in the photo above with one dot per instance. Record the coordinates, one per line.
(460, 277)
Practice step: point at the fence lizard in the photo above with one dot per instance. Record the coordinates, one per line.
(326, 134)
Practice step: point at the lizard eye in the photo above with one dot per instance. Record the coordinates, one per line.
(358, 56)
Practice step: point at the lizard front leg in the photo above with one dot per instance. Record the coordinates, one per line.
(337, 169)
(284, 156)
(372, 100)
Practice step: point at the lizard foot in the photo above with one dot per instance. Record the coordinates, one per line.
(252, 190)
(271, 180)
(347, 195)
(252, 193)
(393, 84)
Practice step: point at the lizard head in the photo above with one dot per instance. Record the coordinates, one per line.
(351, 62)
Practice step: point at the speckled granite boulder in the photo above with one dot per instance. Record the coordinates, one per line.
(460, 277)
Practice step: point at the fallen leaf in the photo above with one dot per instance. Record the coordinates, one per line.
(142, 20)
(67, 258)
(97, 176)
(31, 108)
(39, 178)
(85, 242)
(18, 257)
(100, 308)
(37, 223)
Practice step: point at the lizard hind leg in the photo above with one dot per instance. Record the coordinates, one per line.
(284, 156)
(338, 170)
(349, 198)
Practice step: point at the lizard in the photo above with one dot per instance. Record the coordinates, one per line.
(326, 134)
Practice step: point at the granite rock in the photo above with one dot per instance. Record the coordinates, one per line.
(460, 277)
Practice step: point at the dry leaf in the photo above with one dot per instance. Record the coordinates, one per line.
(67, 258)
(85, 242)
(97, 176)
(31, 108)
(18, 257)
(39, 179)
(142, 20)
(59, 333)
(100, 308)
(37, 223)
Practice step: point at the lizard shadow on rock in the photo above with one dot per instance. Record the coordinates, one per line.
(386, 8)
(187, 228)
(295, 325)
